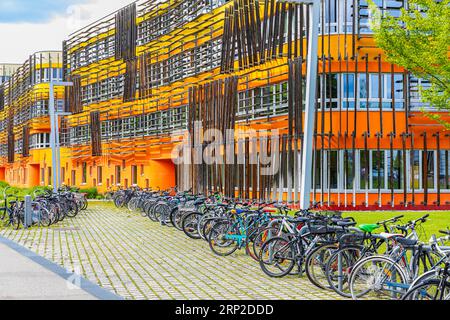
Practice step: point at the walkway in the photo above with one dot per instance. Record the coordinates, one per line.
(138, 259)
(26, 276)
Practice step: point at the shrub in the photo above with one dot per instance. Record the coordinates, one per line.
(92, 193)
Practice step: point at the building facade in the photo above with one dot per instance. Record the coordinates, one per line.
(154, 69)
(25, 155)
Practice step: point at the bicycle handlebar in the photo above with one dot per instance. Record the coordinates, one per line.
(392, 220)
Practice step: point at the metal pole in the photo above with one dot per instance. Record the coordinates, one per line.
(311, 87)
(28, 219)
(53, 133)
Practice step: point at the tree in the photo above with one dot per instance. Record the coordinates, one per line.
(419, 41)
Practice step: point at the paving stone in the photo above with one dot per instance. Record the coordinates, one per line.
(138, 259)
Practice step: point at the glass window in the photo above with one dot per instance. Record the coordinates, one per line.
(118, 173)
(444, 180)
(49, 176)
(332, 87)
(317, 182)
(364, 166)
(134, 175)
(416, 167)
(100, 175)
(363, 86)
(375, 86)
(430, 155)
(84, 173)
(378, 169)
(395, 176)
(349, 167)
(333, 167)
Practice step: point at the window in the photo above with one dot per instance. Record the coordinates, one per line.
(349, 169)
(43, 176)
(444, 166)
(134, 175)
(49, 176)
(395, 175)
(378, 169)
(63, 174)
(374, 87)
(429, 159)
(317, 182)
(364, 169)
(118, 175)
(332, 159)
(74, 175)
(84, 173)
(40, 141)
(100, 175)
(416, 165)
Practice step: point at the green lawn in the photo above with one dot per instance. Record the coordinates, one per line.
(437, 220)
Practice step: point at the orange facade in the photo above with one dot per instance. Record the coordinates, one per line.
(142, 74)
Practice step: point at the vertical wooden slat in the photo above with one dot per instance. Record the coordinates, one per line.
(26, 141)
(96, 142)
(425, 169)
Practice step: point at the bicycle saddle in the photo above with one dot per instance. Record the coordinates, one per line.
(369, 228)
(346, 223)
(406, 242)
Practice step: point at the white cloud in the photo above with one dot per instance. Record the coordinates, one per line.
(19, 40)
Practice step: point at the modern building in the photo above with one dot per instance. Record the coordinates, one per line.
(7, 70)
(154, 68)
(25, 155)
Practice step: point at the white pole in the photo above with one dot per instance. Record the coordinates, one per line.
(53, 133)
(311, 88)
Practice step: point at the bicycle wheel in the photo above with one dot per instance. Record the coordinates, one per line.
(84, 204)
(151, 212)
(44, 218)
(220, 240)
(316, 262)
(16, 220)
(52, 213)
(277, 257)
(119, 201)
(208, 225)
(162, 211)
(173, 214)
(201, 226)
(339, 267)
(72, 208)
(378, 277)
(262, 237)
(190, 225)
(429, 290)
(132, 205)
(178, 218)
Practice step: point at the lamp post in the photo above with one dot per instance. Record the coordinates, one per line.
(311, 88)
(54, 132)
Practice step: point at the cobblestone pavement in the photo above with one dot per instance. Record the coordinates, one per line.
(137, 259)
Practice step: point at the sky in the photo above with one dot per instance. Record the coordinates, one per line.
(28, 26)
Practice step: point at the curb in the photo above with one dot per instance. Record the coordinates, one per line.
(86, 285)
